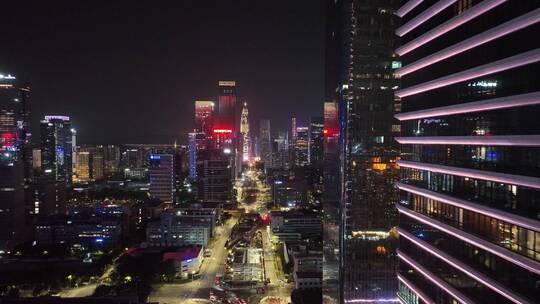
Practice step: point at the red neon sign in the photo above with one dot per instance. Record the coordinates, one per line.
(222, 131)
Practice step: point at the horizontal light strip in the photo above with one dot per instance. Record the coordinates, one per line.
(477, 106)
(499, 251)
(436, 280)
(474, 41)
(468, 205)
(449, 25)
(382, 300)
(519, 180)
(471, 272)
(497, 140)
(407, 7)
(424, 16)
(415, 289)
(486, 69)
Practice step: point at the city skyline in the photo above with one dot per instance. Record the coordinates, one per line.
(245, 152)
(74, 74)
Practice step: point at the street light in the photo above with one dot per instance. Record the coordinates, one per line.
(70, 279)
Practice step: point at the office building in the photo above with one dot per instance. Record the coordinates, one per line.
(175, 230)
(316, 142)
(196, 142)
(111, 159)
(83, 167)
(36, 159)
(15, 160)
(73, 150)
(245, 135)
(366, 84)
(161, 171)
(98, 162)
(195, 211)
(469, 190)
(227, 106)
(90, 164)
(204, 116)
(132, 157)
(297, 224)
(47, 198)
(265, 140)
(281, 155)
(56, 148)
(301, 147)
(293, 130)
(331, 201)
(187, 260)
(214, 176)
(90, 232)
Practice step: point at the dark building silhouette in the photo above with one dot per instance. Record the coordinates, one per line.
(361, 35)
(15, 160)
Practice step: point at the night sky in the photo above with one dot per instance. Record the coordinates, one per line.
(129, 72)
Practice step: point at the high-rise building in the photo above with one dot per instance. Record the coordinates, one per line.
(83, 167)
(204, 116)
(316, 142)
(293, 129)
(369, 152)
(111, 157)
(227, 106)
(15, 160)
(470, 175)
(90, 164)
(331, 202)
(161, 173)
(197, 142)
(214, 176)
(281, 158)
(265, 140)
(301, 147)
(73, 149)
(244, 134)
(56, 148)
(98, 163)
(132, 158)
(36, 159)
(256, 147)
(48, 197)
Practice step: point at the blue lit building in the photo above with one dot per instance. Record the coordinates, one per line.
(57, 148)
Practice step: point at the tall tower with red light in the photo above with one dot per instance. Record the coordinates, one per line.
(225, 127)
(15, 160)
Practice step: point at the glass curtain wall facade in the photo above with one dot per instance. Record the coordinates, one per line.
(470, 170)
(369, 151)
(15, 161)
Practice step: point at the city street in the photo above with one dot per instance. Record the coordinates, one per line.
(200, 288)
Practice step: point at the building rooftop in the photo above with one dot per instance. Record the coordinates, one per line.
(307, 275)
(182, 254)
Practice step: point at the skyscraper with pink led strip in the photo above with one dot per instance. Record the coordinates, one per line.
(469, 205)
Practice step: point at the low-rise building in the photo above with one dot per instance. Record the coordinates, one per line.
(187, 260)
(303, 280)
(89, 232)
(295, 224)
(308, 261)
(173, 230)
